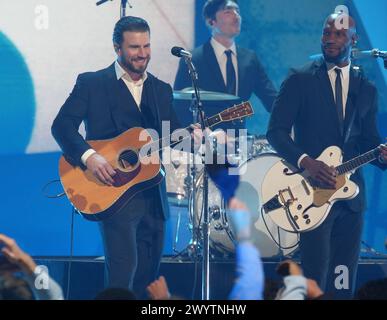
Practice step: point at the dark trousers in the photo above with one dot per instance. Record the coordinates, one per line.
(133, 241)
(332, 249)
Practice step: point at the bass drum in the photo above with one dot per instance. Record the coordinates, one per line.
(265, 233)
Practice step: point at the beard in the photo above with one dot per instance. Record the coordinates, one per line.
(343, 55)
(129, 65)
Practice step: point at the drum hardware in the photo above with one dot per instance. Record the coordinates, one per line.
(215, 212)
(271, 241)
(186, 94)
(177, 230)
(176, 163)
(218, 226)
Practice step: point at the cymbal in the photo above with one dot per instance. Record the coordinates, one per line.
(188, 93)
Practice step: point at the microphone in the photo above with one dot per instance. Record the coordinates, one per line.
(180, 52)
(374, 53)
(102, 2)
(379, 53)
(358, 54)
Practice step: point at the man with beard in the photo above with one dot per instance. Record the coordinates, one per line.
(111, 101)
(329, 103)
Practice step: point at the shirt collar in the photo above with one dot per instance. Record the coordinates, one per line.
(121, 73)
(219, 49)
(344, 71)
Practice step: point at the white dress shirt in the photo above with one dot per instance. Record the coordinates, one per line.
(344, 81)
(345, 86)
(135, 88)
(221, 57)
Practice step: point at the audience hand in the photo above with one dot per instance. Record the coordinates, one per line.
(16, 255)
(158, 289)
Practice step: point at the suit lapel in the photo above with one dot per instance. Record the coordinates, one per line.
(354, 85)
(213, 66)
(241, 70)
(119, 98)
(327, 93)
(148, 103)
(112, 92)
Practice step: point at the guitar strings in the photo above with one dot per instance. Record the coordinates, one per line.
(162, 140)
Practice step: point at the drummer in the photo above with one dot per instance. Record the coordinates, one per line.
(223, 66)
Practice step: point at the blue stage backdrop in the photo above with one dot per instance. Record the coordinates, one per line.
(38, 67)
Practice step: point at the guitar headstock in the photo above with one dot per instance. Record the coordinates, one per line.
(236, 112)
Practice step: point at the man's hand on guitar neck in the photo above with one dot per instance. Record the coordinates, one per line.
(100, 168)
(323, 175)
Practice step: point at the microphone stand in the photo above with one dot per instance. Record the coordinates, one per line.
(198, 109)
(380, 54)
(122, 8)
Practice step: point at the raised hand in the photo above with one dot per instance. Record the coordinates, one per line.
(158, 289)
(16, 255)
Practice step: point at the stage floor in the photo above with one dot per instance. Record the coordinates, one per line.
(86, 275)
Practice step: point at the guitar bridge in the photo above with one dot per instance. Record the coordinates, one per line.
(287, 196)
(274, 204)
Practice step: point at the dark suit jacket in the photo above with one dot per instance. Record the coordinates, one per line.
(108, 109)
(306, 101)
(252, 78)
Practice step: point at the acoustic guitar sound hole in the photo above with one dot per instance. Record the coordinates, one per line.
(128, 159)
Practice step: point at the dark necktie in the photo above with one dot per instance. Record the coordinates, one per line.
(231, 77)
(339, 97)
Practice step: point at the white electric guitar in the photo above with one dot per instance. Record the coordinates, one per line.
(294, 204)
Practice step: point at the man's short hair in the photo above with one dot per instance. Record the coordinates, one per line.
(129, 23)
(211, 7)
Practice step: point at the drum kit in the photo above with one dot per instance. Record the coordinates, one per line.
(185, 190)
